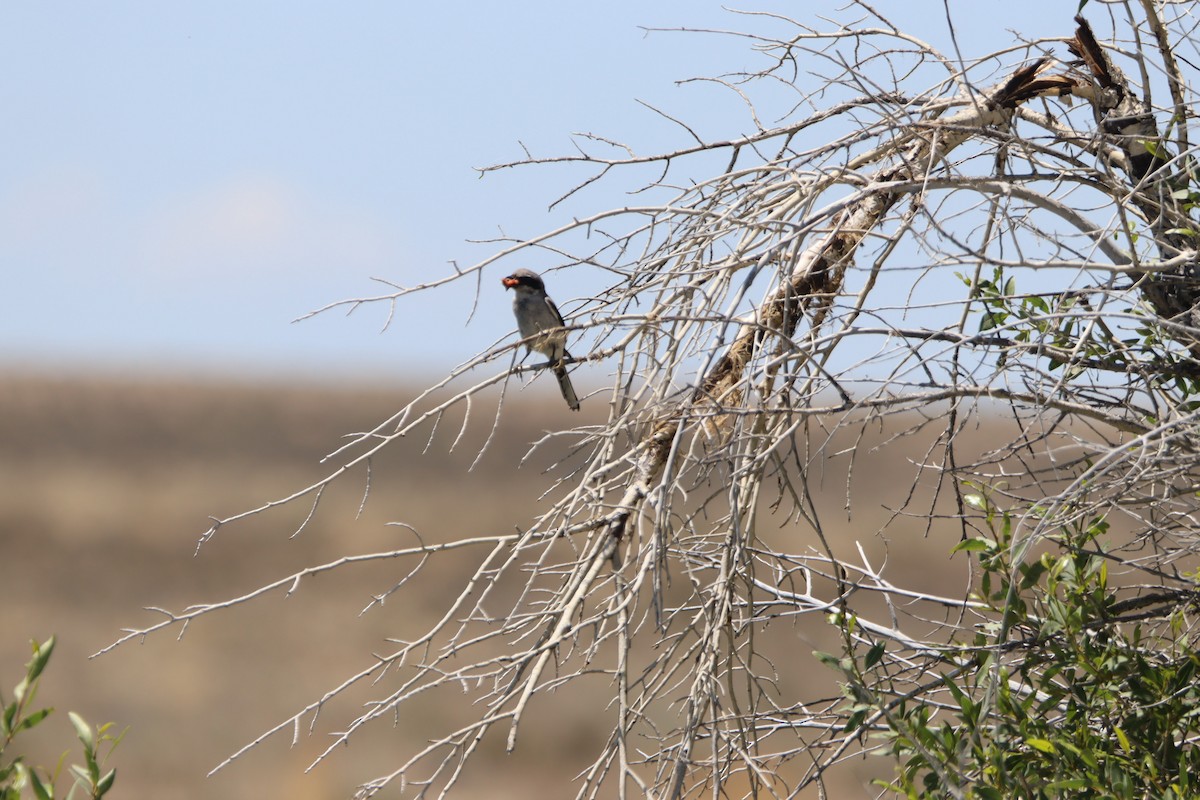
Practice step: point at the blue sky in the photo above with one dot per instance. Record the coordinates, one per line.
(178, 181)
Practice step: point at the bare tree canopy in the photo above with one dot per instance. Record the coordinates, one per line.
(923, 243)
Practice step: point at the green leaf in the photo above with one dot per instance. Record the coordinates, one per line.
(960, 697)
(83, 731)
(1031, 574)
(33, 719)
(975, 500)
(41, 656)
(10, 715)
(874, 655)
(855, 720)
(828, 659)
(39, 789)
(974, 545)
(1044, 745)
(106, 783)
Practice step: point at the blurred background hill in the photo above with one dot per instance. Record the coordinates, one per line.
(108, 482)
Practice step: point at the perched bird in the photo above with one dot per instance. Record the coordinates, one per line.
(536, 312)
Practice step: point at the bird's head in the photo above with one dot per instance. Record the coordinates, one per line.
(524, 277)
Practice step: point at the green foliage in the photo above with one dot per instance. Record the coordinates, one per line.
(1050, 325)
(1061, 692)
(1063, 331)
(16, 776)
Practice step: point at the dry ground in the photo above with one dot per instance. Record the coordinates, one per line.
(107, 484)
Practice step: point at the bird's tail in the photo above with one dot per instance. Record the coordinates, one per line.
(564, 385)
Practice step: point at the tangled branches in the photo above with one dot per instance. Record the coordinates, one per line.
(918, 247)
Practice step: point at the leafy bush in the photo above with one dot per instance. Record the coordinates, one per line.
(1063, 693)
(16, 776)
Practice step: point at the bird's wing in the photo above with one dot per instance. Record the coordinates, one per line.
(554, 311)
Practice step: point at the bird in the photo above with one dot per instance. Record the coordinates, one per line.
(536, 313)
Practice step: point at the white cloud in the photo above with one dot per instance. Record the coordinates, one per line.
(254, 224)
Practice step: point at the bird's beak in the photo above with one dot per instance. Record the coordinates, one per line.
(510, 282)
